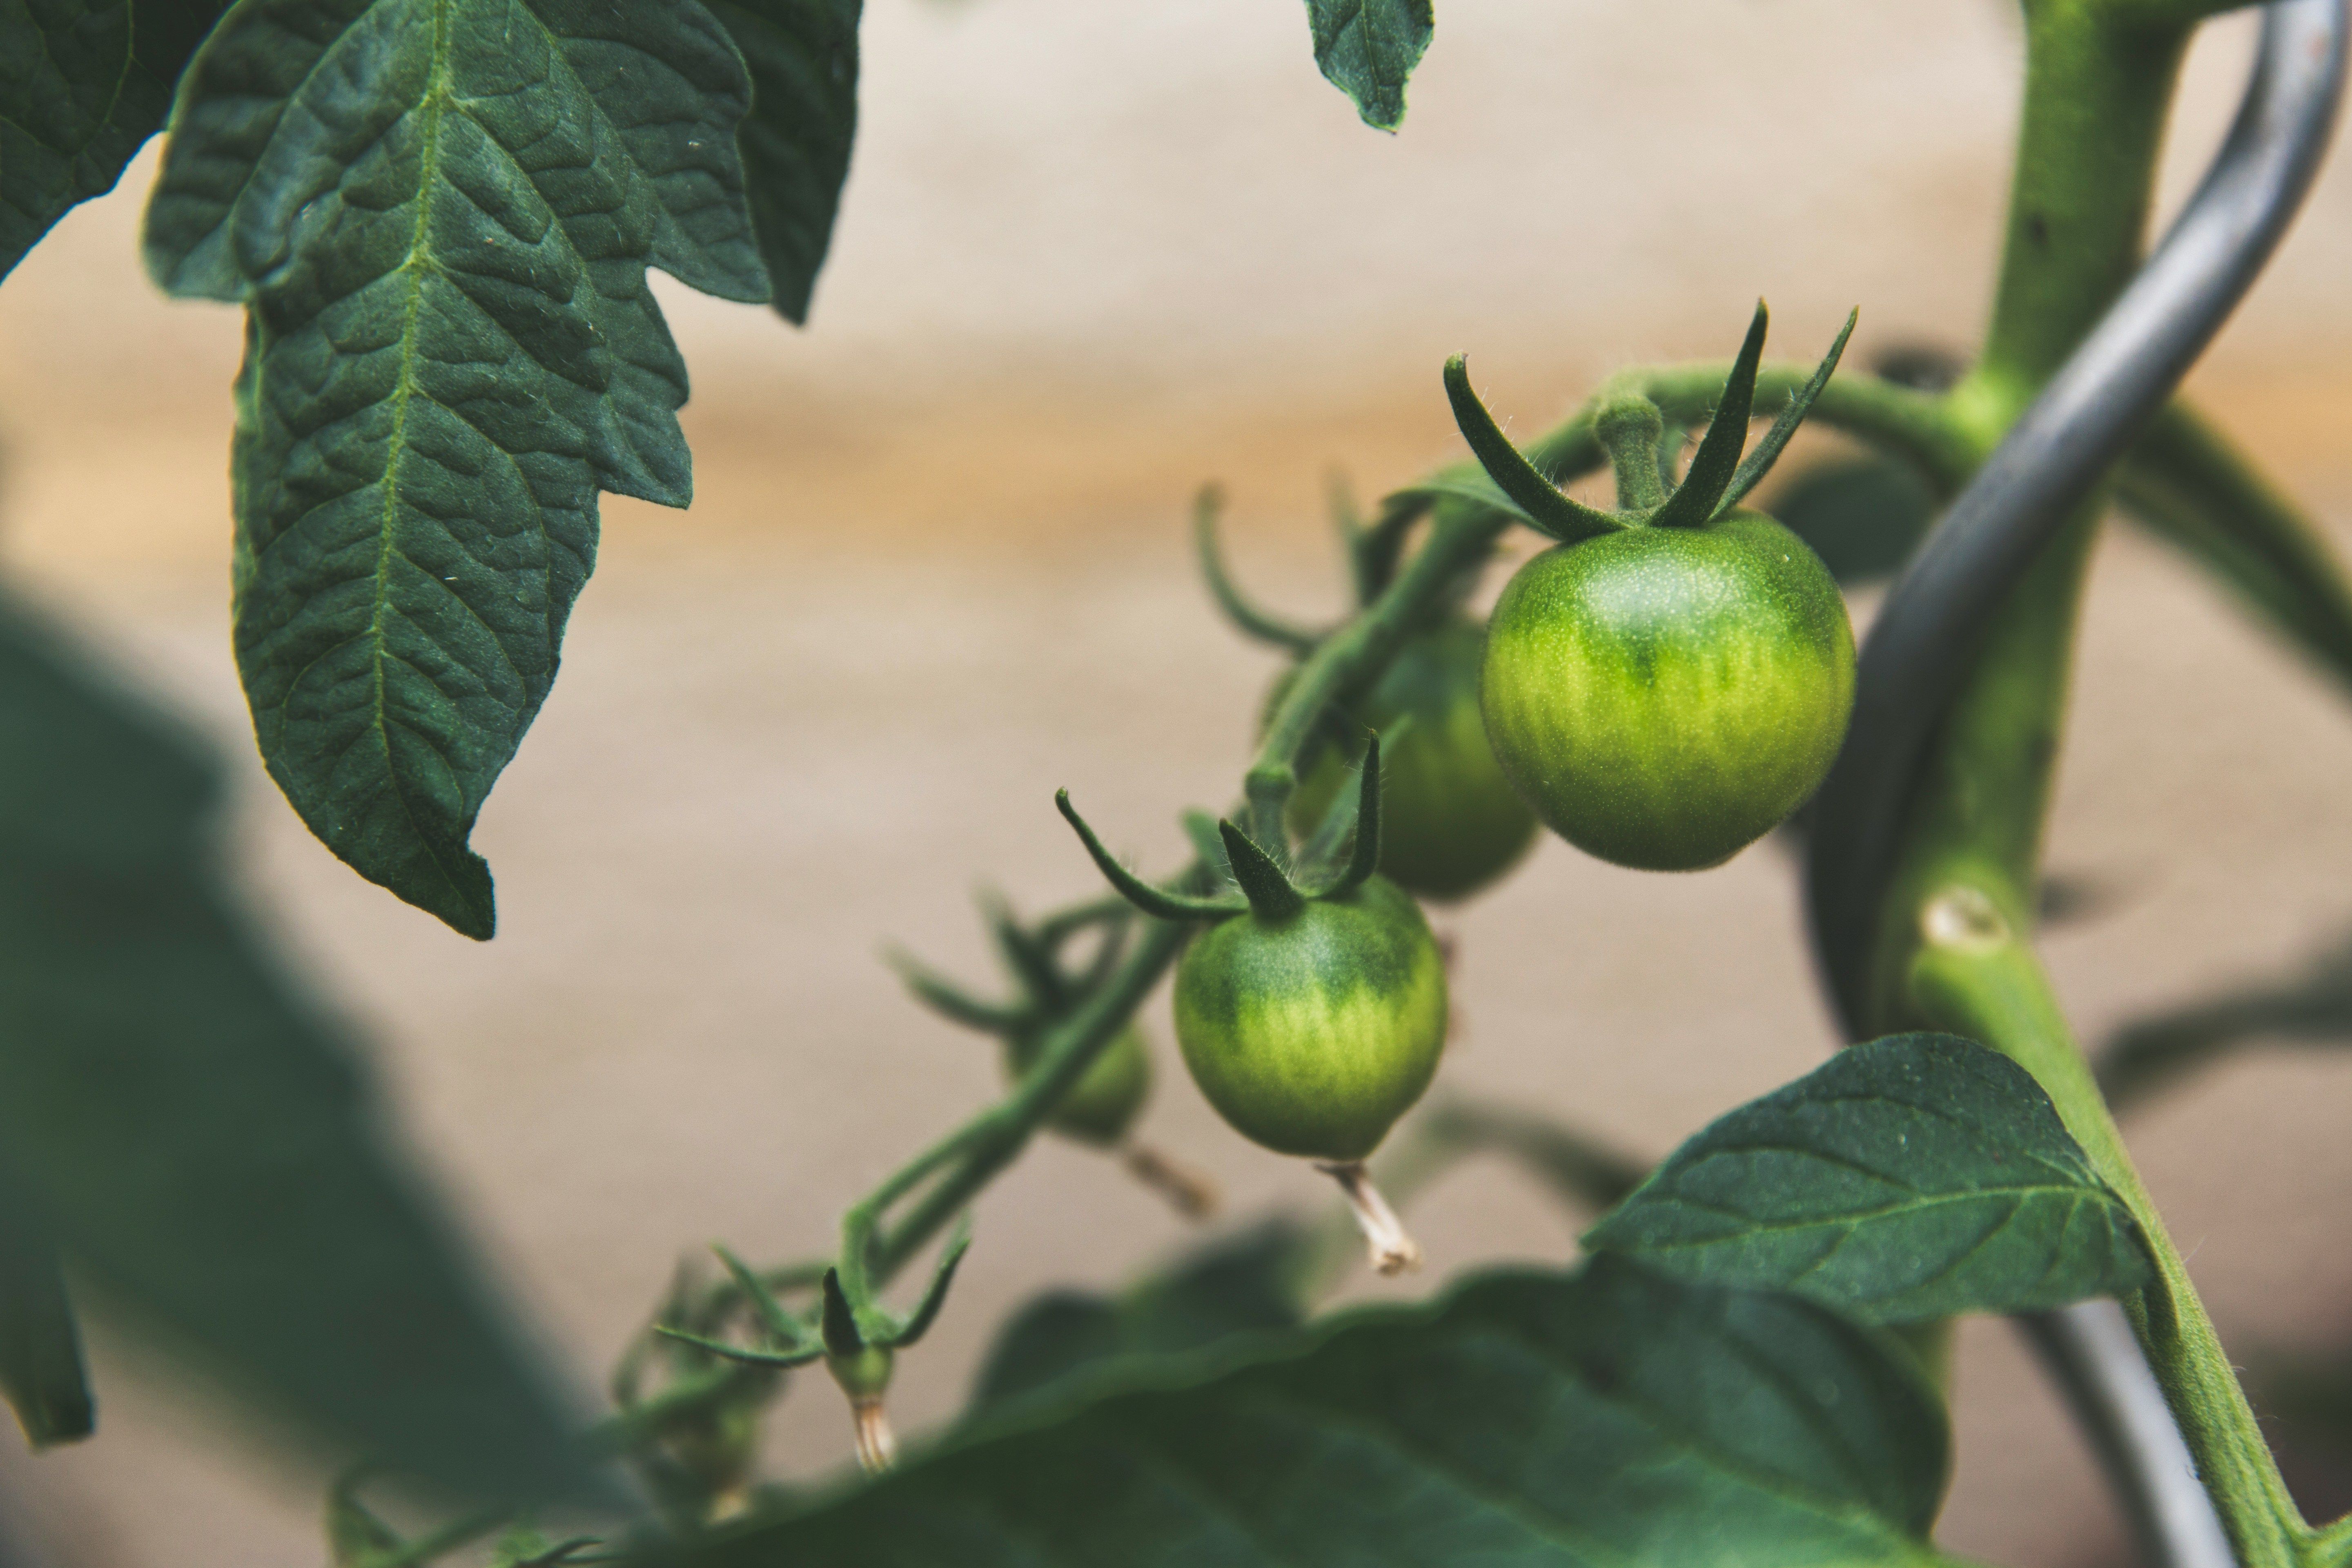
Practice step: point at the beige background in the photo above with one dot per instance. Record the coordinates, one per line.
(1092, 254)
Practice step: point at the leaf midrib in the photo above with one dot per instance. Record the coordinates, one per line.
(414, 266)
(1854, 1219)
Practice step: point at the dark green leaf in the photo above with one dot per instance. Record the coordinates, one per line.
(1915, 1176)
(1614, 1418)
(804, 60)
(355, 1530)
(1862, 516)
(1367, 47)
(439, 214)
(83, 84)
(195, 1136)
(1715, 466)
(40, 1345)
(1242, 1284)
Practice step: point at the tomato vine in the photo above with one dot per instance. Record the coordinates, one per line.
(437, 217)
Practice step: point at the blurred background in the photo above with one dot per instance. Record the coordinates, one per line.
(1089, 257)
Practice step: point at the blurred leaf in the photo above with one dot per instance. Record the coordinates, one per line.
(525, 1546)
(2188, 485)
(197, 1136)
(83, 84)
(1915, 1176)
(355, 1533)
(1241, 1284)
(1367, 47)
(1525, 1419)
(40, 1346)
(438, 215)
(1862, 515)
(802, 56)
(2313, 1007)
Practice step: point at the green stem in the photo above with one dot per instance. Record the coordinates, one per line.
(440, 1542)
(1988, 985)
(1953, 949)
(1910, 424)
(1348, 663)
(990, 1141)
(2099, 83)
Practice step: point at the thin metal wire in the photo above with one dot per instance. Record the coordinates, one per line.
(2088, 1348)
(1928, 633)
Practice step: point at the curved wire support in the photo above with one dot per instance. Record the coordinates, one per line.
(1926, 636)
(2089, 1350)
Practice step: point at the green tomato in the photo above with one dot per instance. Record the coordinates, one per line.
(1663, 697)
(1312, 1033)
(1450, 821)
(1104, 1102)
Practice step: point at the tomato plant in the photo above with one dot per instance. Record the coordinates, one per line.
(437, 217)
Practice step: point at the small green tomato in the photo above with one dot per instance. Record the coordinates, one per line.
(1108, 1096)
(1451, 823)
(1663, 697)
(1312, 1032)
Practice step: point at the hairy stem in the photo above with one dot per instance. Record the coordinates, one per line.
(1991, 988)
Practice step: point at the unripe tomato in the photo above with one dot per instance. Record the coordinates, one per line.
(1663, 697)
(1313, 1032)
(1107, 1097)
(1450, 821)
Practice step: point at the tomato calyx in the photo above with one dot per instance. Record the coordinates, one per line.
(1312, 1008)
(855, 1336)
(1250, 878)
(1629, 426)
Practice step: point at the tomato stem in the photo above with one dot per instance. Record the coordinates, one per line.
(1391, 1250)
(1630, 428)
(1190, 1192)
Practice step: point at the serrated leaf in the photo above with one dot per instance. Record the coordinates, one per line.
(802, 56)
(1915, 1176)
(1366, 49)
(1235, 1285)
(41, 1369)
(1613, 1417)
(439, 214)
(196, 1138)
(83, 84)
